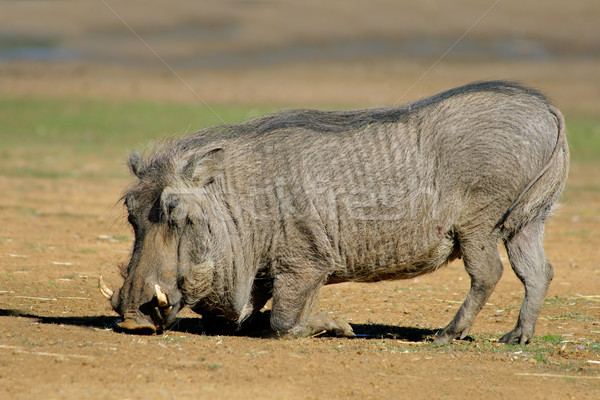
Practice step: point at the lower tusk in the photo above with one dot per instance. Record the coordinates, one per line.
(105, 290)
(166, 312)
(161, 296)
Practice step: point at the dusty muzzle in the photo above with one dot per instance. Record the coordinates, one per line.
(131, 325)
(153, 321)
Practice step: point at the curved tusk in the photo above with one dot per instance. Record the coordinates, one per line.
(161, 297)
(167, 311)
(105, 290)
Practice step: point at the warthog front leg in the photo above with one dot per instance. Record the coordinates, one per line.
(320, 322)
(294, 297)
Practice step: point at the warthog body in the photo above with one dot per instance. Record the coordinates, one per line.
(232, 216)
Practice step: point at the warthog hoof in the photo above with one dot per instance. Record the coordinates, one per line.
(320, 322)
(515, 336)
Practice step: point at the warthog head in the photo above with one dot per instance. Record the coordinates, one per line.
(171, 263)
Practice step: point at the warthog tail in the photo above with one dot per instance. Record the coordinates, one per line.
(560, 142)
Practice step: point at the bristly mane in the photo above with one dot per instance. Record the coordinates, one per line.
(161, 164)
(340, 121)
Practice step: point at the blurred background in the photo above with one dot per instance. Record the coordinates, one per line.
(105, 75)
(307, 52)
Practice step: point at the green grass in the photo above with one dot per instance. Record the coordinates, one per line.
(87, 251)
(559, 301)
(583, 134)
(551, 339)
(55, 138)
(214, 366)
(577, 316)
(123, 238)
(555, 351)
(85, 125)
(171, 339)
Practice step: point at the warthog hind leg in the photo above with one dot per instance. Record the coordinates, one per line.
(483, 265)
(527, 258)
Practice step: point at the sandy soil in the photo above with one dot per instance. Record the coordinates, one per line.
(57, 235)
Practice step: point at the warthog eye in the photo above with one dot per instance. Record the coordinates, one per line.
(173, 209)
(155, 214)
(172, 204)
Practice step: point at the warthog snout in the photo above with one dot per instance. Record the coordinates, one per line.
(152, 317)
(130, 325)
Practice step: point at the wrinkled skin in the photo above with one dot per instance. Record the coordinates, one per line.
(137, 301)
(173, 249)
(275, 208)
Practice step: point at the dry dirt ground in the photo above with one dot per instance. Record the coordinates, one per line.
(56, 340)
(57, 235)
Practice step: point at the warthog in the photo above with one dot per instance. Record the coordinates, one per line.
(275, 208)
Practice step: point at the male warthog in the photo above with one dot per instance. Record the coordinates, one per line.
(232, 216)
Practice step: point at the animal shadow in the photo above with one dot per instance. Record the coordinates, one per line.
(405, 333)
(258, 326)
(99, 322)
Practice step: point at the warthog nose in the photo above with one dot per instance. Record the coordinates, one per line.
(131, 326)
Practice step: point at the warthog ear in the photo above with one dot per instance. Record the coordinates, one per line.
(204, 167)
(135, 162)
